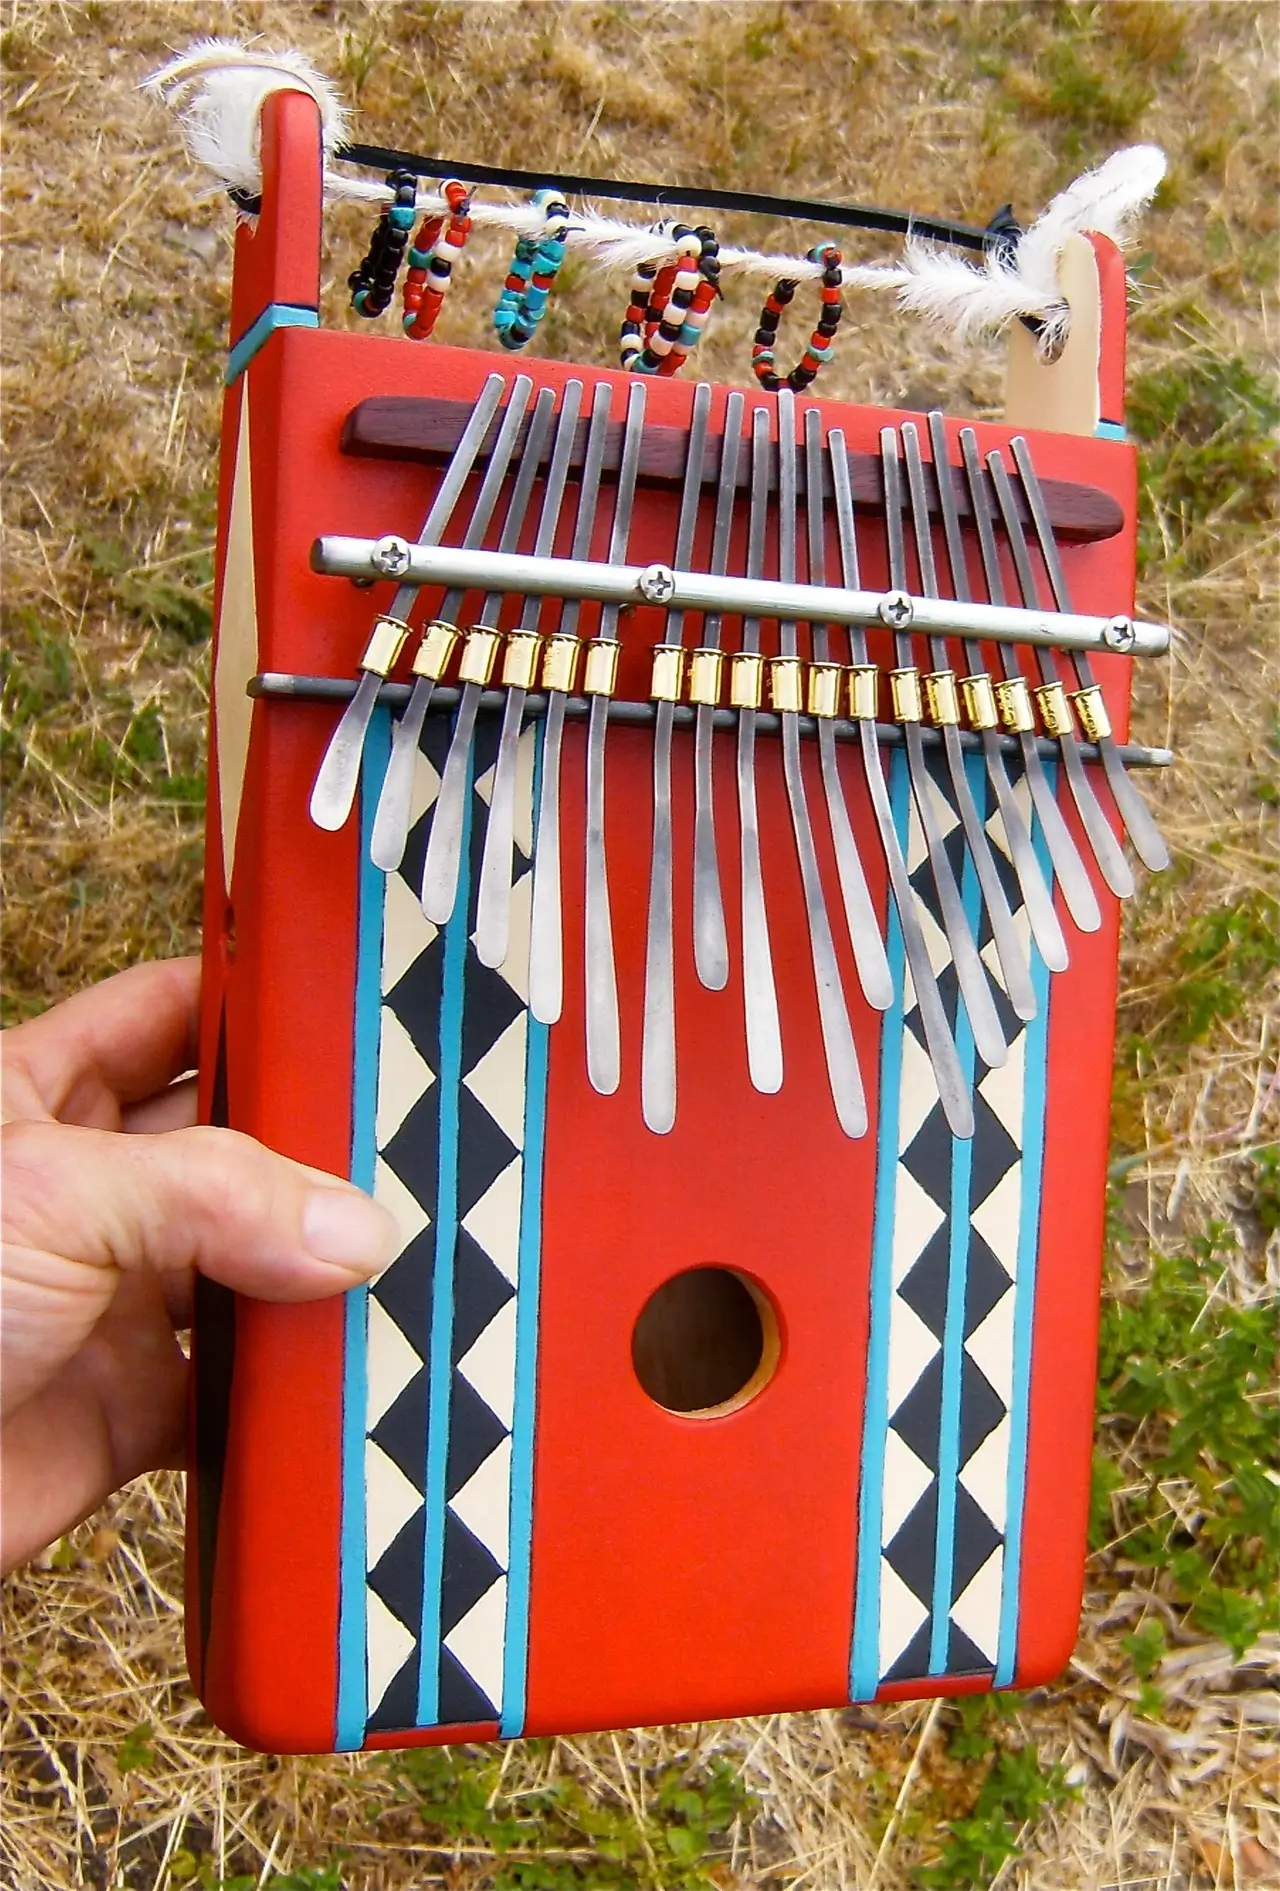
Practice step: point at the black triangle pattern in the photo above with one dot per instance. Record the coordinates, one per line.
(480, 1289)
(402, 1430)
(397, 1711)
(913, 1663)
(911, 1551)
(963, 1656)
(929, 1160)
(480, 1292)
(925, 1287)
(462, 1701)
(475, 1432)
(405, 1291)
(469, 1572)
(396, 1577)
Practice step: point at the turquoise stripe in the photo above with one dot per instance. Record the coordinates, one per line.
(515, 1660)
(957, 1284)
(352, 1673)
(439, 1369)
(864, 1661)
(1110, 430)
(1033, 1127)
(275, 315)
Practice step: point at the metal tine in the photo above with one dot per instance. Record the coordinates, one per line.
(1013, 960)
(546, 942)
(395, 802)
(970, 971)
(859, 912)
(604, 1050)
(1043, 920)
(710, 941)
(1148, 841)
(1073, 876)
(1107, 852)
(444, 843)
(658, 1053)
(339, 771)
(953, 1091)
(493, 901)
(760, 996)
(843, 1072)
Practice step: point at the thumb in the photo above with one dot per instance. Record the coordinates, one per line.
(83, 1205)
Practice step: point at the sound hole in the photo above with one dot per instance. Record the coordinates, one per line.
(705, 1343)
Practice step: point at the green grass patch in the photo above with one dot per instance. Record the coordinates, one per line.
(1221, 963)
(1189, 1379)
(1015, 1787)
(1207, 422)
(561, 1836)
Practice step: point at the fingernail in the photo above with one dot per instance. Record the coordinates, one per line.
(346, 1229)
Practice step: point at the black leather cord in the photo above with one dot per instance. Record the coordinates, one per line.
(809, 210)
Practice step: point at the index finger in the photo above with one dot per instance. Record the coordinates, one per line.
(119, 1041)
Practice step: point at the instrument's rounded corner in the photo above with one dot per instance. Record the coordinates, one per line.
(1081, 390)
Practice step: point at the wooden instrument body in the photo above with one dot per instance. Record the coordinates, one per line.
(444, 1508)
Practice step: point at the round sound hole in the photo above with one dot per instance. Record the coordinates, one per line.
(705, 1343)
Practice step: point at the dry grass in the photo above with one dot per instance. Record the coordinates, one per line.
(116, 276)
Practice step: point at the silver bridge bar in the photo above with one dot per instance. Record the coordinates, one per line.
(292, 686)
(337, 556)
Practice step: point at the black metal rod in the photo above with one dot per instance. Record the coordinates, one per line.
(283, 686)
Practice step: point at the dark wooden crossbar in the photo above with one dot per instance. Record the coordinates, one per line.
(428, 427)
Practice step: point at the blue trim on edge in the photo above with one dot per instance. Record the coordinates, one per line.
(275, 315)
(1110, 430)
(864, 1658)
(440, 1369)
(515, 1658)
(353, 1683)
(957, 1288)
(1035, 1078)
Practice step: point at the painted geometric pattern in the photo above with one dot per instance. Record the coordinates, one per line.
(442, 1321)
(953, 1272)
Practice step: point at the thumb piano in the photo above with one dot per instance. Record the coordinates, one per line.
(666, 843)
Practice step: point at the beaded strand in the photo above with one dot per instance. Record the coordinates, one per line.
(534, 268)
(373, 282)
(431, 260)
(678, 304)
(821, 345)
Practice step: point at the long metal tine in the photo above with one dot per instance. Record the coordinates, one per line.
(859, 912)
(1013, 960)
(710, 941)
(604, 1050)
(1148, 841)
(953, 1091)
(546, 940)
(1043, 920)
(760, 997)
(1107, 852)
(970, 971)
(493, 901)
(444, 844)
(658, 1054)
(395, 802)
(843, 1072)
(1073, 876)
(339, 771)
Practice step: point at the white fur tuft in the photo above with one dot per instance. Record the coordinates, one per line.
(217, 87)
(968, 299)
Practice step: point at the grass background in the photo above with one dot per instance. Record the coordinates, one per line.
(1153, 1761)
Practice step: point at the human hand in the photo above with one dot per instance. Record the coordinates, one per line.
(112, 1200)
